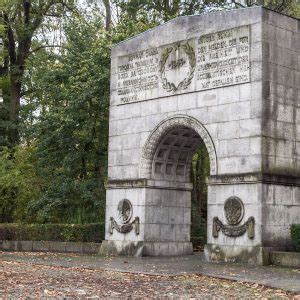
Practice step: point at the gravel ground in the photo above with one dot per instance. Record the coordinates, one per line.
(33, 280)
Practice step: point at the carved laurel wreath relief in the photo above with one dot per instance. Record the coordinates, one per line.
(124, 217)
(234, 213)
(189, 51)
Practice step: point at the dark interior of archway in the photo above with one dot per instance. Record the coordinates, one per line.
(181, 156)
(199, 172)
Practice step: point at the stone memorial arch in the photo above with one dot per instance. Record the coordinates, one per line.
(229, 80)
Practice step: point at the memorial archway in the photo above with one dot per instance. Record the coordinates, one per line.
(204, 78)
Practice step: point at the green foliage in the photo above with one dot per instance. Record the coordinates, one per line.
(68, 200)
(200, 171)
(58, 171)
(23, 24)
(71, 93)
(129, 26)
(162, 11)
(199, 236)
(64, 121)
(294, 9)
(19, 183)
(295, 235)
(53, 232)
(288, 7)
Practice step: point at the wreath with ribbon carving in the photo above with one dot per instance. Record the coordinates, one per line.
(170, 86)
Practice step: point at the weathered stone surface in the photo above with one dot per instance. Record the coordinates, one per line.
(57, 247)
(24, 246)
(50, 246)
(91, 248)
(241, 254)
(73, 247)
(285, 259)
(7, 246)
(40, 246)
(121, 248)
(227, 79)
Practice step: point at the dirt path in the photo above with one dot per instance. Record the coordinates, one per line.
(23, 280)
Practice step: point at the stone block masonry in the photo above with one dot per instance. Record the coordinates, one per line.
(50, 246)
(229, 80)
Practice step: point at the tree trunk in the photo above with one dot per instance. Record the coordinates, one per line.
(108, 14)
(14, 107)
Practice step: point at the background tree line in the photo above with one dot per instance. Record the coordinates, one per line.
(54, 78)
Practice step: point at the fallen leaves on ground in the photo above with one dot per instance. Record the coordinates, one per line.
(23, 279)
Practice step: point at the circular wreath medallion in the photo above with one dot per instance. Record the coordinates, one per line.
(125, 211)
(189, 51)
(234, 210)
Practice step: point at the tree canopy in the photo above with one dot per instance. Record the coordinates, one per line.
(54, 78)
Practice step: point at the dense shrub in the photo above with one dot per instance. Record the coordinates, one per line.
(295, 235)
(19, 183)
(53, 232)
(199, 236)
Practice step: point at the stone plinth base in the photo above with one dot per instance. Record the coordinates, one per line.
(167, 248)
(241, 254)
(50, 246)
(121, 248)
(285, 259)
(140, 248)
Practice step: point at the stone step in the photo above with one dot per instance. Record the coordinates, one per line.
(285, 259)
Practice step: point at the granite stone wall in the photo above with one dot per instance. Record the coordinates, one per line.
(246, 111)
(231, 114)
(280, 127)
(281, 97)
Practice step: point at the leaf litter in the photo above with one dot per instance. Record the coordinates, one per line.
(19, 279)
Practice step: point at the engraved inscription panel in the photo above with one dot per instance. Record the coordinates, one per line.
(209, 61)
(223, 58)
(138, 76)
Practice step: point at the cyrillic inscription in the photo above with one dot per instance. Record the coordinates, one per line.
(210, 61)
(223, 58)
(138, 76)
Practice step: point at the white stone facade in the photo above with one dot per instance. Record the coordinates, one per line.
(251, 131)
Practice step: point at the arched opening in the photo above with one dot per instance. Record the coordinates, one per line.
(178, 157)
(181, 156)
(199, 172)
(173, 156)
